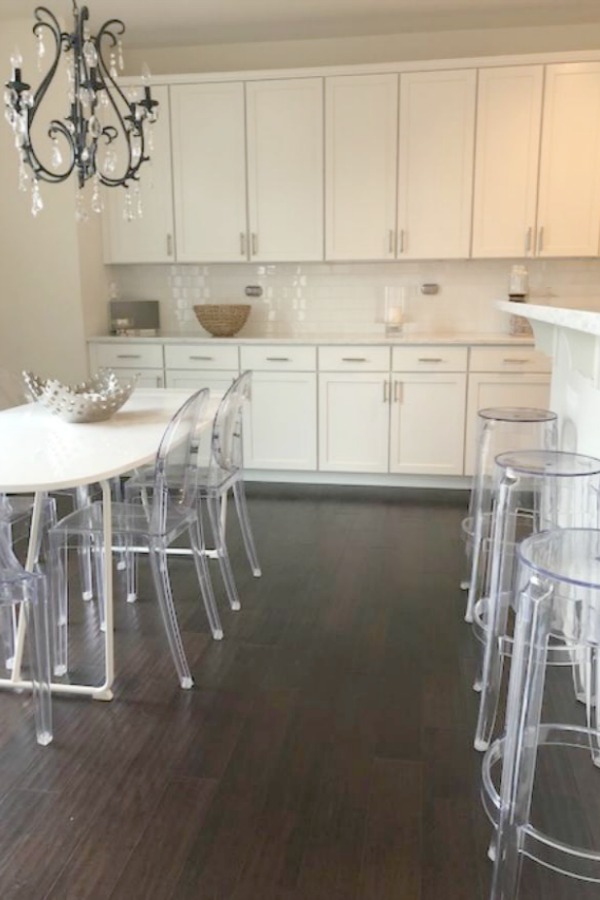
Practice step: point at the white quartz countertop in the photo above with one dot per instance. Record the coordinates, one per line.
(465, 338)
(577, 318)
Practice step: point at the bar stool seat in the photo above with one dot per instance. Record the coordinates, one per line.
(557, 569)
(500, 428)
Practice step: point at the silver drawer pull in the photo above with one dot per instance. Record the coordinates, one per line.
(201, 358)
(435, 359)
(278, 359)
(128, 356)
(522, 361)
(354, 359)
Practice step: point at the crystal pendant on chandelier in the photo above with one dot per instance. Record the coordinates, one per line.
(98, 116)
(37, 204)
(81, 213)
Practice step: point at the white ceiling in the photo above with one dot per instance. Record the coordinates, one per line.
(179, 22)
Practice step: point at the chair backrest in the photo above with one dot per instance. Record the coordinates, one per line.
(226, 441)
(8, 560)
(175, 469)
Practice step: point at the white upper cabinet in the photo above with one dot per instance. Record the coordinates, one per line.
(284, 122)
(509, 116)
(148, 239)
(569, 189)
(435, 183)
(209, 171)
(360, 166)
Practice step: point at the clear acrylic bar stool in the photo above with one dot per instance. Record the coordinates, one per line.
(558, 582)
(562, 490)
(499, 428)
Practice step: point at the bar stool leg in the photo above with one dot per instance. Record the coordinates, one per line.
(497, 615)
(524, 708)
(478, 517)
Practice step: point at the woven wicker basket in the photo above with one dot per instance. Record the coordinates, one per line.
(222, 319)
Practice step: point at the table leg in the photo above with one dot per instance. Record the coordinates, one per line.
(32, 555)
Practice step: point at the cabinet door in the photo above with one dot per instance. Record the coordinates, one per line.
(280, 423)
(353, 422)
(435, 153)
(427, 426)
(284, 119)
(495, 389)
(509, 117)
(569, 192)
(148, 239)
(209, 171)
(360, 142)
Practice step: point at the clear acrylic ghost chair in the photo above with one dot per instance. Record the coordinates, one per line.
(224, 472)
(14, 393)
(27, 592)
(499, 429)
(563, 491)
(557, 569)
(149, 528)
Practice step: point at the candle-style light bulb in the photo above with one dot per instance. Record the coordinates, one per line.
(146, 74)
(16, 60)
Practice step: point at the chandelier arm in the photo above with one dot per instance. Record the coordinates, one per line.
(41, 171)
(111, 87)
(60, 39)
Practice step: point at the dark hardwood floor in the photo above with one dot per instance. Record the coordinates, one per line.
(325, 752)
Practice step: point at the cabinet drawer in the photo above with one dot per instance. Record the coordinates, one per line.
(508, 359)
(201, 356)
(132, 356)
(276, 357)
(362, 358)
(431, 358)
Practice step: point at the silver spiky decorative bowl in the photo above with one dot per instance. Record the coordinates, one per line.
(91, 401)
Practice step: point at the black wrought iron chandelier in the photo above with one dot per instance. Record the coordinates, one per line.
(101, 117)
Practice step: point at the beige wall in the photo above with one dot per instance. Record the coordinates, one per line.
(43, 308)
(346, 51)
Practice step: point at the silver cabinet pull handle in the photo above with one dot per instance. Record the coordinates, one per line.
(522, 361)
(354, 359)
(528, 236)
(254, 243)
(201, 358)
(541, 239)
(169, 245)
(401, 241)
(128, 356)
(385, 391)
(278, 359)
(242, 244)
(397, 392)
(431, 359)
(391, 241)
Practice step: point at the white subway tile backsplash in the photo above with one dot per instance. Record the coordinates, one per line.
(345, 298)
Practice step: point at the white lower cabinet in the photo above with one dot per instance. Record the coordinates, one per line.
(427, 423)
(353, 421)
(500, 389)
(280, 423)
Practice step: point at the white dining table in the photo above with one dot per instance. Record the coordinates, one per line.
(40, 453)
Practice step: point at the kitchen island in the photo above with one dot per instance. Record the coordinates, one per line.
(570, 333)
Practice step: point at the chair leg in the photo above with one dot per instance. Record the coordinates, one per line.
(84, 552)
(214, 515)
(239, 494)
(39, 652)
(99, 564)
(208, 597)
(160, 574)
(8, 627)
(131, 564)
(59, 606)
